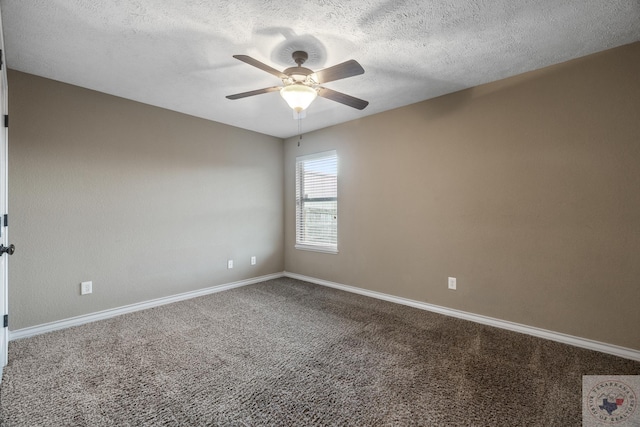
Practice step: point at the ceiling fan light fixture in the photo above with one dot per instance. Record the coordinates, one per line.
(298, 96)
(302, 85)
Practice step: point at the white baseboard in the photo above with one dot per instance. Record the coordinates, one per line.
(106, 314)
(615, 350)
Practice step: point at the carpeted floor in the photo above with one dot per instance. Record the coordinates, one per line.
(286, 352)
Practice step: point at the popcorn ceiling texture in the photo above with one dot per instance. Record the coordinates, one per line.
(178, 54)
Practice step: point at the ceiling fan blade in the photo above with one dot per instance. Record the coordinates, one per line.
(254, 92)
(341, 71)
(342, 98)
(264, 67)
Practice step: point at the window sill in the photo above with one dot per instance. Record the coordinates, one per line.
(326, 250)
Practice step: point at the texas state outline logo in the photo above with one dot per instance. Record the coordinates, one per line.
(610, 400)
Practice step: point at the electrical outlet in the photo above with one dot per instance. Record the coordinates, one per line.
(86, 288)
(253, 260)
(230, 264)
(452, 283)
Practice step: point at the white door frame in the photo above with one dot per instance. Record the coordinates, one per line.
(4, 162)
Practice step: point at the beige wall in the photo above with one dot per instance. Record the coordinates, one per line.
(527, 190)
(144, 202)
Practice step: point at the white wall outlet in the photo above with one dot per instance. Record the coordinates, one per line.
(253, 260)
(86, 288)
(230, 264)
(452, 283)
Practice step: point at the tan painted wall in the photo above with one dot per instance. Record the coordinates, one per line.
(143, 201)
(527, 190)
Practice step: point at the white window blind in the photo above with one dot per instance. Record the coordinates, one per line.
(317, 202)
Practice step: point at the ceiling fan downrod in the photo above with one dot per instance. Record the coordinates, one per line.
(300, 57)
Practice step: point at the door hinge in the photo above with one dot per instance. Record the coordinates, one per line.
(1, 61)
(6, 120)
(6, 220)
(5, 321)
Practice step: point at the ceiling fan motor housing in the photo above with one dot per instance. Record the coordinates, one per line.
(298, 74)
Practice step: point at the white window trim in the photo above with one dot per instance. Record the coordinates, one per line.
(318, 248)
(330, 249)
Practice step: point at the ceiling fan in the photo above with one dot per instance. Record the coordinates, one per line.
(301, 85)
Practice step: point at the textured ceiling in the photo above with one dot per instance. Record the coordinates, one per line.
(177, 54)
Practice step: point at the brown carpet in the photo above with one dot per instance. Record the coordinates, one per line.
(286, 352)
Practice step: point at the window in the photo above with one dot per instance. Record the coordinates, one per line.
(317, 202)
